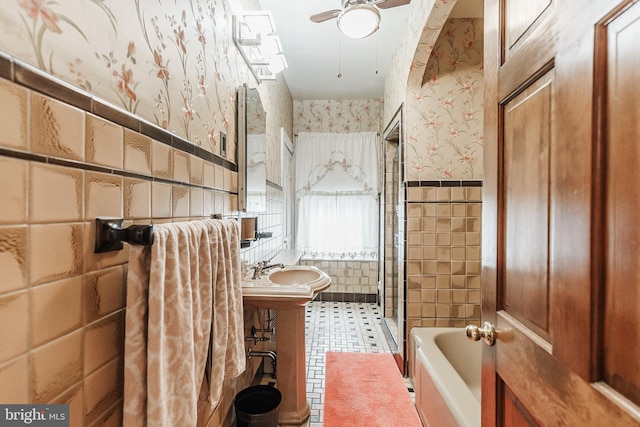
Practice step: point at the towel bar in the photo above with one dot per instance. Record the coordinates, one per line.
(110, 234)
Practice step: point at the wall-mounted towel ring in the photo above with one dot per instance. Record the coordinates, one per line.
(110, 234)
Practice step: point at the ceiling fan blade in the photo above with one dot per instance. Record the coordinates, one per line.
(325, 16)
(388, 4)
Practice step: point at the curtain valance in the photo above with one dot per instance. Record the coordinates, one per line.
(353, 155)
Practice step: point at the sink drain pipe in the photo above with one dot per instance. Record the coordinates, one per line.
(270, 354)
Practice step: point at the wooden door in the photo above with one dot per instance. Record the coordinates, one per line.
(561, 218)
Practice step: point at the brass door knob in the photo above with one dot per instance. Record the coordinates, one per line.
(487, 331)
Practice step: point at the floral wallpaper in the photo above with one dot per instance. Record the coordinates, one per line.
(175, 65)
(423, 26)
(444, 113)
(337, 116)
(437, 72)
(171, 63)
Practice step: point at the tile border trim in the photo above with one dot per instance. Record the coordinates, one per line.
(461, 183)
(346, 297)
(26, 75)
(5, 152)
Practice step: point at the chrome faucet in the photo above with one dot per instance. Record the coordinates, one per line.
(261, 267)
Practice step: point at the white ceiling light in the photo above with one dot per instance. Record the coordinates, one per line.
(260, 48)
(359, 20)
(259, 22)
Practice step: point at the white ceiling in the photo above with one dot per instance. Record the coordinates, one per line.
(317, 52)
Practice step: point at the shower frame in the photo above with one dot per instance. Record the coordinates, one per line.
(393, 243)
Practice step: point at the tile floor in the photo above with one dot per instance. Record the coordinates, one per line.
(337, 326)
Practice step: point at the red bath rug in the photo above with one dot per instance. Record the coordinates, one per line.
(367, 390)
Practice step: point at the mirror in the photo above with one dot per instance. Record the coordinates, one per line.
(252, 151)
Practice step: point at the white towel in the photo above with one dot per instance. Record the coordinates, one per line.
(179, 290)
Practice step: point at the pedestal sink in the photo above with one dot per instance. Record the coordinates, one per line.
(281, 287)
(288, 290)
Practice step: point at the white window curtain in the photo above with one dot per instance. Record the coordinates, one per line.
(337, 190)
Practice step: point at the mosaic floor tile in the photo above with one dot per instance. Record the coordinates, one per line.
(343, 326)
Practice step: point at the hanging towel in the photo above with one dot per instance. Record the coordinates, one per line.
(173, 288)
(227, 335)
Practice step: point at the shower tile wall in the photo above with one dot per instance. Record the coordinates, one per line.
(443, 253)
(62, 307)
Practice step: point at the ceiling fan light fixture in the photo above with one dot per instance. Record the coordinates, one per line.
(359, 21)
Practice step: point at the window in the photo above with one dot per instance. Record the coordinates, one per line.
(337, 193)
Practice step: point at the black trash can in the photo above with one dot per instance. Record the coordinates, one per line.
(257, 406)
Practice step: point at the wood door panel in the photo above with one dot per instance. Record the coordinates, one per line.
(521, 17)
(549, 391)
(561, 223)
(514, 414)
(622, 283)
(527, 139)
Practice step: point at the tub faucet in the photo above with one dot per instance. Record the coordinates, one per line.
(261, 267)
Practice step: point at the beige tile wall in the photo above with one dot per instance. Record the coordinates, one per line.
(61, 305)
(349, 277)
(443, 255)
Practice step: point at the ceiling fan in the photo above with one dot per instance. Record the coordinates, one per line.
(358, 18)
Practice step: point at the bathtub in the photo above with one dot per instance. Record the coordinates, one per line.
(445, 371)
